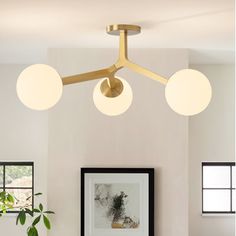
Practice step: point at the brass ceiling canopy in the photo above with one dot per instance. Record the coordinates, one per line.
(188, 92)
(130, 29)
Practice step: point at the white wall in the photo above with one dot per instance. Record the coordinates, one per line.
(211, 138)
(148, 135)
(23, 136)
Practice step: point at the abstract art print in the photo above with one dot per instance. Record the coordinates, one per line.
(116, 206)
(117, 201)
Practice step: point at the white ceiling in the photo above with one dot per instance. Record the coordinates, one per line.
(29, 27)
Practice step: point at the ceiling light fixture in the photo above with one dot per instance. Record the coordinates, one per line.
(188, 92)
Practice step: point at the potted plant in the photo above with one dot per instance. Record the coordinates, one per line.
(37, 214)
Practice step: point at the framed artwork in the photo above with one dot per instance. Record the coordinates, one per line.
(117, 202)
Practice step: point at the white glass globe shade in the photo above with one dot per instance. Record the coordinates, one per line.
(113, 106)
(39, 87)
(188, 92)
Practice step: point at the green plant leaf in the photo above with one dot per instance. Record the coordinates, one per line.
(40, 207)
(28, 211)
(9, 205)
(10, 198)
(35, 232)
(32, 231)
(17, 218)
(36, 194)
(46, 222)
(49, 212)
(36, 221)
(36, 210)
(4, 209)
(29, 231)
(22, 217)
(28, 198)
(2, 194)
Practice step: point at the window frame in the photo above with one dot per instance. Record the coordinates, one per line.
(15, 163)
(230, 164)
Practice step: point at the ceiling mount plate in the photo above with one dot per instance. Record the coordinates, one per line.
(130, 29)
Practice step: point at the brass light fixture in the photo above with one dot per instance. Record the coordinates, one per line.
(188, 92)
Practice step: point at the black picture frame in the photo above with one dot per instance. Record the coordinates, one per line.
(151, 205)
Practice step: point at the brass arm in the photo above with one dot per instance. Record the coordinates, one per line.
(108, 72)
(143, 71)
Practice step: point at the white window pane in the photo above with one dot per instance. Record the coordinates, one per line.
(233, 176)
(216, 200)
(233, 200)
(18, 176)
(216, 177)
(21, 196)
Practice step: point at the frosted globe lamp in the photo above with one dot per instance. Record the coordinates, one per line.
(188, 92)
(39, 87)
(116, 104)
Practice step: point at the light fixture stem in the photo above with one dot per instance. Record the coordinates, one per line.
(123, 52)
(123, 57)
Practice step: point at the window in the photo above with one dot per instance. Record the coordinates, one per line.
(218, 187)
(17, 178)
